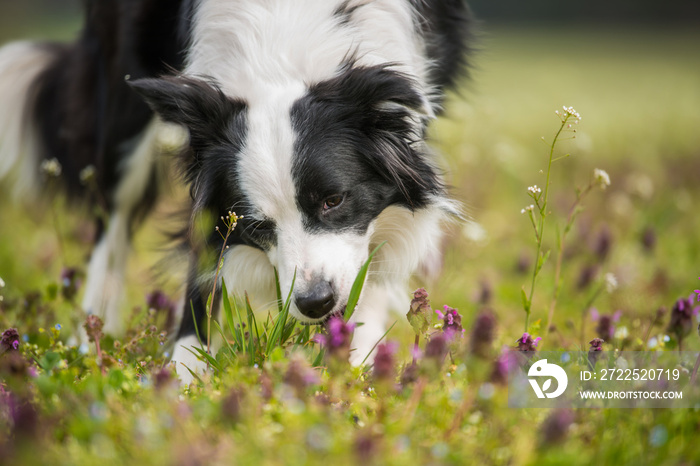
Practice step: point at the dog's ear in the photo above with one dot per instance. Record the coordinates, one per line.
(395, 115)
(197, 104)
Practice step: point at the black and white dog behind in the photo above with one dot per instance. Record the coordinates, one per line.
(307, 117)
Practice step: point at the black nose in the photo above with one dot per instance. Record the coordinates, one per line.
(317, 301)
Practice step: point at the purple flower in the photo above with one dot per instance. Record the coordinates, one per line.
(660, 315)
(93, 328)
(524, 263)
(586, 276)
(338, 337)
(14, 364)
(366, 446)
(22, 414)
(596, 344)
(527, 343)
(485, 292)
(681, 322)
(159, 301)
(419, 312)
(555, 428)
(436, 349)
(504, 366)
(163, 378)
(384, 361)
(10, 340)
(649, 239)
(409, 374)
(267, 387)
(451, 322)
(300, 376)
(231, 405)
(603, 243)
(606, 323)
(595, 350)
(482, 333)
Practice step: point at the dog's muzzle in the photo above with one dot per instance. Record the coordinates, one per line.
(317, 301)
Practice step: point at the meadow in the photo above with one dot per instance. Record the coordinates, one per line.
(638, 94)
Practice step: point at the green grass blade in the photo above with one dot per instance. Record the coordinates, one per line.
(194, 374)
(358, 284)
(194, 319)
(277, 336)
(252, 326)
(228, 345)
(228, 313)
(319, 359)
(242, 332)
(304, 335)
(280, 303)
(202, 355)
(288, 330)
(378, 341)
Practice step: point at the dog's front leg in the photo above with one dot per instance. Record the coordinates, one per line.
(373, 311)
(135, 192)
(193, 327)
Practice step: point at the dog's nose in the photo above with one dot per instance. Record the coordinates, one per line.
(317, 301)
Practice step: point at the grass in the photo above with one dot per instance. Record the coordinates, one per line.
(638, 96)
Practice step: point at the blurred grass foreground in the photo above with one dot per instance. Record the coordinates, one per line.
(638, 92)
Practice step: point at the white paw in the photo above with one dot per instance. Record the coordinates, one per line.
(185, 361)
(105, 278)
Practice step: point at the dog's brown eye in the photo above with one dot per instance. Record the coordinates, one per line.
(333, 201)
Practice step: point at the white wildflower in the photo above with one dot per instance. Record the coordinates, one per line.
(570, 111)
(601, 178)
(529, 208)
(51, 167)
(2, 283)
(610, 282)
(476, 233)
(622, 333)
(534, 189)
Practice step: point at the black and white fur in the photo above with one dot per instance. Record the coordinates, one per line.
(307, 117)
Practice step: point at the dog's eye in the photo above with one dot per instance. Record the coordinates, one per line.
(333, 201)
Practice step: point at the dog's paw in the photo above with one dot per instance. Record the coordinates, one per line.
(103, 290)
(186, 363)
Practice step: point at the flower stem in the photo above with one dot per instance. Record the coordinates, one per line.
(416, 348)
(560, 253)
(540, 230)
(230, 223)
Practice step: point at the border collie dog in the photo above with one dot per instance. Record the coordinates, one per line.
(306, 117)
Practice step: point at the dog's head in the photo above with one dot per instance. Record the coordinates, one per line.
(310, 168)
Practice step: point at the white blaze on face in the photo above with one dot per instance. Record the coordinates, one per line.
(265, 176)
(333, 257)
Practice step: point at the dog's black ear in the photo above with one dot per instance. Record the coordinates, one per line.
(395, 115)
(386, 114)
(197, 104)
